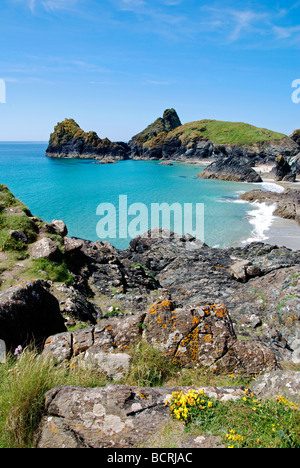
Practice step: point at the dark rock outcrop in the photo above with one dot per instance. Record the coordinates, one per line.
(148, 144)
(294, 162)
(69, 141)
(29, 313)
(295, 136)
(167, 138)
(283, 171)
(231, 168)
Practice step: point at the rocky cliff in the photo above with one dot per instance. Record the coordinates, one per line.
(168, 139)
(69, 141)
(213, 139)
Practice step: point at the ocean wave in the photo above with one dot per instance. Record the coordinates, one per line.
(231, 200)
(271, 187)
(262, 219)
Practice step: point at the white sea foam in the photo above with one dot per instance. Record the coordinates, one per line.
(262, 219)
(271, 187)
(232, 200)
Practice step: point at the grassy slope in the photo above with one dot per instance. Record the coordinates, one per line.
(15, 264)
(222, 133)
(219, 132)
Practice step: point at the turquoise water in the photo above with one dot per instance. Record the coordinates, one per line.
(72, 189)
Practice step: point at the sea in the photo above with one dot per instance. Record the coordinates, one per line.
(77, 191)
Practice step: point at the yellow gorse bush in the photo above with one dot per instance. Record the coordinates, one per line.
(187, 406)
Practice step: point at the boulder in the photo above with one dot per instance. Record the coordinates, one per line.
(294, 162)
(113, 365)
(45, 248)
(29, 313)
(204, 336)
(189, 336)
(111, 417)
(60, 227)
(72, 245)
(19, 236)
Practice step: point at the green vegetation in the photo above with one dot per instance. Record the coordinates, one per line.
(244, 423)
(14, 216)
(64, 132)
(45, 269)
(25, 380)
(15, 264)
(68, 130)
(23, 384)
(220, 133)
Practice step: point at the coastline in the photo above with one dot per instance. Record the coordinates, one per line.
(277, 231)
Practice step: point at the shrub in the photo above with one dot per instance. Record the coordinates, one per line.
(57, 272)
(245, 423)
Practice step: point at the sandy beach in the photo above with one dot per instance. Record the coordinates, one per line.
(282, 232)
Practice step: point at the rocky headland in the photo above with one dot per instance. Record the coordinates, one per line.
(168, 139)
(69, 141)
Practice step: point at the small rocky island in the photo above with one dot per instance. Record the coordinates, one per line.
(168, 139)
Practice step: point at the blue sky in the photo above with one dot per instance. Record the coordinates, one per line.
(115, 65)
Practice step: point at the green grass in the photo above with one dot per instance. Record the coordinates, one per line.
(48, 270)
(14, 216)
(221, 132)
(23, 384)
(244, 423)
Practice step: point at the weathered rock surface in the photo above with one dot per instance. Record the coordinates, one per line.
(113, 365)
(294, 162)
(28, 312)
(45, 248)
(190, 337)
(272, 384)
(110, 417)
(283, 171)
(195, 274)
(60, 227)
(204, 336)
(232, 168)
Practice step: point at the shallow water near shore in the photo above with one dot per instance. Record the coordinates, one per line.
(72, 189)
